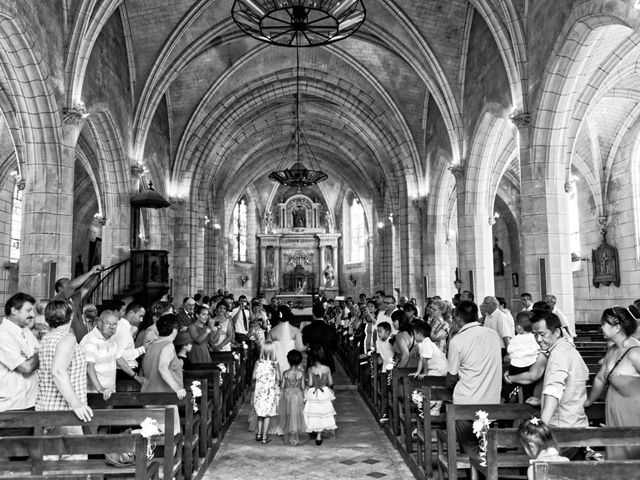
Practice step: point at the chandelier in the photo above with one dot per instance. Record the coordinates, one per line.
(298, 176)
(299, 23)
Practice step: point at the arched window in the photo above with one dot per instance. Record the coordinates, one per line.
(574, 225)
(16, 224)
(357, 232)
(240, 231)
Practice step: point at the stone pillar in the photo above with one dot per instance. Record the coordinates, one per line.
(181, 261)
(545, 233)
(416, 235)
(322, 266)
(475, 245)
(47, 206)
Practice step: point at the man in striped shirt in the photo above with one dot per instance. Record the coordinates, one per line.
(101, 352)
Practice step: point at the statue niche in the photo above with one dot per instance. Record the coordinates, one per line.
(299, 217)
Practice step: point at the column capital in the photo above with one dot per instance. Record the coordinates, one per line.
(457, 171)
(603, 224)
(420, 203)
(521, 119)
(75, 114)
(177, 202)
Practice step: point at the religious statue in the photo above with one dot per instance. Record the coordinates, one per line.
(299, 218)
(269, 276)
(329, 276)
(268, 222)
(328, 218)
(498, 259)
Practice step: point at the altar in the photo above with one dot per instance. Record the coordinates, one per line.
(298, 253)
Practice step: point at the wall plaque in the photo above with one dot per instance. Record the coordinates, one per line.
(605, 265)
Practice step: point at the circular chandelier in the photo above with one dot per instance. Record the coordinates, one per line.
(298, 177)
(299, 23)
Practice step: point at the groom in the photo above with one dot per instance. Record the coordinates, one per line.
(319, 333)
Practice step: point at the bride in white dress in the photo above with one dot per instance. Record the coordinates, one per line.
(285, 337)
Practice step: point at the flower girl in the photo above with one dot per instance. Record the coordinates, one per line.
(319, 413)
(292, 400)
(266, 375)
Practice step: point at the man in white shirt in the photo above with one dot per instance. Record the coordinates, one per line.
(496, 320)
(384, 315)
(526, 300)
(125, 333)
(242, 317)
(101, 353)
(551, 301)
(18, 355)
(475, 368)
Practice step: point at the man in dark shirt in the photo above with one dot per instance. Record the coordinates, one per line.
(319, 333)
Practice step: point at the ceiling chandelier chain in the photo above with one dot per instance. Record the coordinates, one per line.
(298, 176)
(298, 23)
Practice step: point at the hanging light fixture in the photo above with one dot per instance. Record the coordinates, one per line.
(298, 176)
(299, 23)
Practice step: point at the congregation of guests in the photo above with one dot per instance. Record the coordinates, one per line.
(53, 352)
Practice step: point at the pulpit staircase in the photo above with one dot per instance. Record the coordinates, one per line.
(144, 277)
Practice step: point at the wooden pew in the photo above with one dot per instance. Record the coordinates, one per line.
(228, 390)
(190, 433)
(37, 447)
(613, 469)
(106, 418)
(451, 461)
(223, 396)
(201, 418)
(426, 437)
(408, 411)
(212, 399)
(507, 438)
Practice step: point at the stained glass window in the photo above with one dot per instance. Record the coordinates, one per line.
(16, 225)
(240, 231)
(358, 233)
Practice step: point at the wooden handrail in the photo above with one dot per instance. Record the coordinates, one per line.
(114, 280)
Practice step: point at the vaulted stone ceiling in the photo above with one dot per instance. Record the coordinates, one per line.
(370, 103)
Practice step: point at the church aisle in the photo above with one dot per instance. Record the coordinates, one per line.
(360, 449)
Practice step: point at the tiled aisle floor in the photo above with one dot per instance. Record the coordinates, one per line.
(360, 450)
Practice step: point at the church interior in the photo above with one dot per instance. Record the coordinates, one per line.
(437, 146)
(492, 136)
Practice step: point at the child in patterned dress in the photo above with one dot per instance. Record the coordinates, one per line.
(266, 375)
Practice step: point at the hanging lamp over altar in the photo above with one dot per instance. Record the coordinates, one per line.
(298, 176)
(299, 23)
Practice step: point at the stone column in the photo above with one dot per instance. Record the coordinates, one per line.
(322, 266)
(475, 245)
(181, 264)
(47, 206)
(545, 233)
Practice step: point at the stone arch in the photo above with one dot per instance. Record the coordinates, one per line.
(509, 35)
(90, 19)
(34, 119)
(112, 180)
(162, 75)
(488, 158)
(553, 122)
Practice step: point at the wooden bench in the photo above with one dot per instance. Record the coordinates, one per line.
(426, 437)
(450, 461)
(190, 430)
(507, 438)
(38, 421)
(613, 469)
(212, 399)
(37, 447)
(408, 411)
